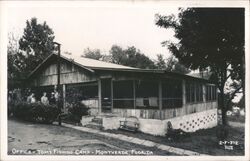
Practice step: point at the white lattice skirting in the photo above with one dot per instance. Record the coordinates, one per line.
(189, 123)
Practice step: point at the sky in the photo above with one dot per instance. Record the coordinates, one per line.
(81, 25)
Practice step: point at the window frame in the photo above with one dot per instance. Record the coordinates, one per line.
(194, 92)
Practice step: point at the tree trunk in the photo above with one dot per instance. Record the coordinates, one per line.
(223, 108)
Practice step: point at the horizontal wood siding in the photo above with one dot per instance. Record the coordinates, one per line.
(166, 113)
(188, 109)
(140, 113)
(69, 74)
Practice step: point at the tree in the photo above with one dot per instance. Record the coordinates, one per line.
(36, 44)
(209, 38)
(173, 65)
(15, 65)
(92, 54)
(161, 62)
(170, 64)
(131, 57)
(107, 58)
(118, 55)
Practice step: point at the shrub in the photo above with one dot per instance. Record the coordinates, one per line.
(10, 108)
(36, 112)
(21, 110)
(76, 111)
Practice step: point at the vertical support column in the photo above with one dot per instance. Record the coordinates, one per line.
(160, 98)
(204, 94)
(64, 97)
(99, 96)
(195, 86)
(134, 94)
(184, 96)
(183, 92)
(112, 95)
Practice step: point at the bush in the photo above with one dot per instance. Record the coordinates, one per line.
(36, 112)
(10, 108)
(76, 111)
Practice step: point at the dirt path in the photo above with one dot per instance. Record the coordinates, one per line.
(27, 138)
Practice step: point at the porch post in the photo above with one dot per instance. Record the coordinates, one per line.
(134, 94)
(183, 92)
(184, 95)
(204, 93)
(112, 105)
(160, 97)
(99, 96)
(64, 97)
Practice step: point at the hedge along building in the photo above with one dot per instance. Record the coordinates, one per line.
(153, 96)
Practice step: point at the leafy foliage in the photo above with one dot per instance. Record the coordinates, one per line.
(130, 57)
(76, 111)
(170, 64)
(206, 35)
(35, 112)
(15, 64)
(209, 38)
(35, 45)
(92, 54)
(118, 56)
(161, 62)
(134, 58)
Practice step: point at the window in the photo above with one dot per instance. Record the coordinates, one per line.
(199, 93)
(214, 93)
(211, 93)
(147, 94)
(80, 92)
(194, 92)
(188, 92)
(172, 94)
(123, 96)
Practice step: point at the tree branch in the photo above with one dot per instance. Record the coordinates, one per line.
(228, 76)
(233, 94)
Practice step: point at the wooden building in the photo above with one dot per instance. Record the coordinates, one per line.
(126, 91)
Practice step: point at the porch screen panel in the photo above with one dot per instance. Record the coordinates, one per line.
(188, 92)
(38, 91)
(147, 95)
(198, 92)
(123, 94)
(194, 92)
(171, 94)
(211, 93)
(214, 93)
(84, 93)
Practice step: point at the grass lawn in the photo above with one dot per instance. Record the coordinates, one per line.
(235, 118)
(202, 141)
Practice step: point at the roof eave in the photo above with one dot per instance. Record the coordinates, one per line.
(39, 65)
(49, 57)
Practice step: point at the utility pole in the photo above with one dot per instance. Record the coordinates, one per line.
(58, 103)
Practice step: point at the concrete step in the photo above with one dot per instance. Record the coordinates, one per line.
(94, 125)
(97, 120)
